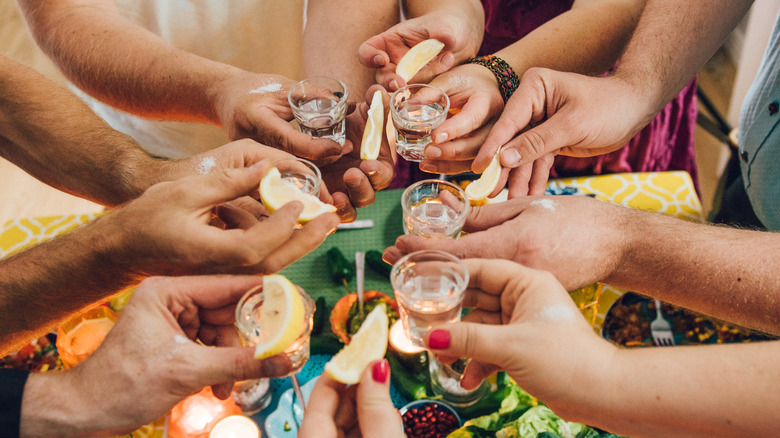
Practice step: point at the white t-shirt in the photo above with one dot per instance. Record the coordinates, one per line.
(262, 36)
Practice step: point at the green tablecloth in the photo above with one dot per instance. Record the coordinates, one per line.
(311, 272)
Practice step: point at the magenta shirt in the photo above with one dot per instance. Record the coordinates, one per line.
(665, 144)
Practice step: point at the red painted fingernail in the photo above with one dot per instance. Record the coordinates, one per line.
(439, 339)
(380, 371)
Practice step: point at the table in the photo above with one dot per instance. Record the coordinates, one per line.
(666, 192)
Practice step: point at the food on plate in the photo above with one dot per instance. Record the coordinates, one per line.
(429, 418)
(345, 319)
(367, 345)
(275, 192)
(281, 316)
(372, 135)
(417, 57)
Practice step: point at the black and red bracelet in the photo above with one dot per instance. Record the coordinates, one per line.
(506, 77)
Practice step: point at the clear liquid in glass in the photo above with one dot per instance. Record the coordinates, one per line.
(431, 218)
(322, 118)
(427, 301)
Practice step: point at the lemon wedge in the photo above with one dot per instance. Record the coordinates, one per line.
(367, 345)
(372, 135)
(275, 192)
(478, 190)
(416, 58)
(281, 316)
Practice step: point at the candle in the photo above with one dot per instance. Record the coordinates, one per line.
(235, 426)
(79, 337)
(400, 342)
(197, 414)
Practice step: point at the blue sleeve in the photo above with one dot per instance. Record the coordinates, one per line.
(11, 390)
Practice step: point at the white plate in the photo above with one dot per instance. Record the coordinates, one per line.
(286, 413)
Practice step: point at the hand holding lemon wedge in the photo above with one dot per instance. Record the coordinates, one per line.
(417, 57)
(478, 190)
(372, 135)
(275, 192)
(367, 345)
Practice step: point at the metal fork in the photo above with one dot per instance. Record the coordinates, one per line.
(661, 329)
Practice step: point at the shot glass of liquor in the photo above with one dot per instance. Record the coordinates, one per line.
(434, 208)
(254, 395)
(417, 110)
(303, 173)
(319, 104)
(429, 287)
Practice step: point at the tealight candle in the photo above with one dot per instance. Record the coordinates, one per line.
(235, 426)
(197, 414)
(400, 342)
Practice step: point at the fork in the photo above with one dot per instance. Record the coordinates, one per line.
(661, 329)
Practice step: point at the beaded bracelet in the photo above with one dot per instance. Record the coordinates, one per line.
(506, 77)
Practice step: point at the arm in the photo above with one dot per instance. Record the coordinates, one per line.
(54, 136)
(724, 272)
(334, 31)
(166, 231)
(551, 351)
(151, 354)
(134, 70)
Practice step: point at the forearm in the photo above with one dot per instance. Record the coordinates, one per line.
(44, 285)
(672, 42)
(725, 272)
(123, 64)
(587, 39)
(469, 13)
(335, 30)
(55, 137)
(707, 391)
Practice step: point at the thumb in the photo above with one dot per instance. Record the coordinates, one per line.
(226, 364)
(376, 414)
(227, 184)
(471, 340)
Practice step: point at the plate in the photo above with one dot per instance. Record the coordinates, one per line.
(287, 416)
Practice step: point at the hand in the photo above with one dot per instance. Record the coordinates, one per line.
(255, 106)
(578, 239)
(460, 34)
(365, 409)
(353, 182)
(151, 355)
(476, 103)
(166, 231)
(554, 113)
(546, 345)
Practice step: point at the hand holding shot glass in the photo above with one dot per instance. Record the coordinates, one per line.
(434, 209)
(319, 104)
(429, 287)
(417, 110)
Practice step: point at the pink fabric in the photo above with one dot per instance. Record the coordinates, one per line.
(665, 144)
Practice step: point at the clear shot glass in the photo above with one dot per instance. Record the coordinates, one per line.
(319, 104)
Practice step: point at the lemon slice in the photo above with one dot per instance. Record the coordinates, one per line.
(275, 192)
(372, 136)
(416, 58)
(479, 190)
(281, 316)
(367, 345)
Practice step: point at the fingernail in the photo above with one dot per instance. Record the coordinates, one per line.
(439, 339)
(394, 85)
(380, 371)
(428, 167)
(510, 157)
(276, 366)
(448, 60)
(378, 60)
(441, 137)
(433, 152)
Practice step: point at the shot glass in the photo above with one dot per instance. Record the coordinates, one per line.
(303, 173)
(445, 382)
(417, 110)
(253, 395)
(319, 104)
(429, 287)
(434, 208)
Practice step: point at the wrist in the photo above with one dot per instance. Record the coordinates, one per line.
(53, 402)
(505, 76)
